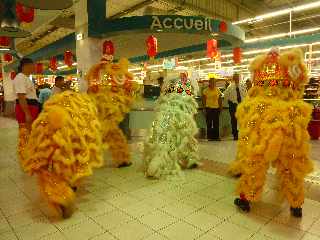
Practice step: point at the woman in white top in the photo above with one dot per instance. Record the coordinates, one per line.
(27, 105)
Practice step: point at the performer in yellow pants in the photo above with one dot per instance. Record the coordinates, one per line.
(273, 122)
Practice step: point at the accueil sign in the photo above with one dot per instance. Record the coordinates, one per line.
(184, 23)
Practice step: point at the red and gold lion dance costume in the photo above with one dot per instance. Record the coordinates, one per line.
(273, 122)
(68, 137)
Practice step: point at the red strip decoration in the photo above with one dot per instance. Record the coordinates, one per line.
(5, 41)
(1, 75)
(152, 46)
(24, 14)
(53, 65)
(212, 48)
(13, 75)
(237, 55)
(108, 48)
(223, 27)
(68, 58)
(7, 57)
(39, 68)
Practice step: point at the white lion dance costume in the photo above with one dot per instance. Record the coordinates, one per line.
(172, 143)
(273, 122)
(68, 138)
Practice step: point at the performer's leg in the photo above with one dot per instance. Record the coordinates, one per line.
(235, 168)
(292, 187)
(56, 192)
(119, 147)
(23, 140)
(191, 154)
(252, 180)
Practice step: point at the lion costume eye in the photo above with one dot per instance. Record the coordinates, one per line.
(120, 79)
(294, 71)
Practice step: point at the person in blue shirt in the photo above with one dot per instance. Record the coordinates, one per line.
(45, 94)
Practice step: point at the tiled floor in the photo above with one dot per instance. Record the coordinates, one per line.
(123, 204)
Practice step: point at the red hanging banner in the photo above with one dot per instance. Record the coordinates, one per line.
(7, 57)
(24, 14)
(39, 68)
(5, 41)
(68, 58)
(108, 48)
(53, 65)
(152, 46)
(212, 48)
(237, 55)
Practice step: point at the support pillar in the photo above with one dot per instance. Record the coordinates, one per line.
(88, 50)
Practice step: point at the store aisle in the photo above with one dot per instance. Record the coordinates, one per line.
(123, 204)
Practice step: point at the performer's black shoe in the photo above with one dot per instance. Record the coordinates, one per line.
(75, 189)
(193, 165)
(237, 175)
(66, 212)
(125, 164)
(296, 212)
(244, 205)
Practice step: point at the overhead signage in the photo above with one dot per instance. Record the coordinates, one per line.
(184, 23)
(169, 64)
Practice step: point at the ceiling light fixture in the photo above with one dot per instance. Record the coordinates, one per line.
(279, 13)
(195, 60)
(280, 35)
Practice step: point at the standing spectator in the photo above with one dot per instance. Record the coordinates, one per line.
(213, 104)
(234, 95)
(27, 105)
(45, 94)
(58, 85)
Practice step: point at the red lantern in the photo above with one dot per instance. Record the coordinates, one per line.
(152, 46)
(24, 14)
(53, 65)
(68, 58)
(223, 27)
(39, 68)
(7, 57)
(4, 41)
(212, 48)
(13, 75)
(108, 48)
(237, 55)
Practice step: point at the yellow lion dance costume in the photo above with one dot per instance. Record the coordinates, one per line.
(110, 85)
(273, 122)
(68, 138)
(64, 146)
